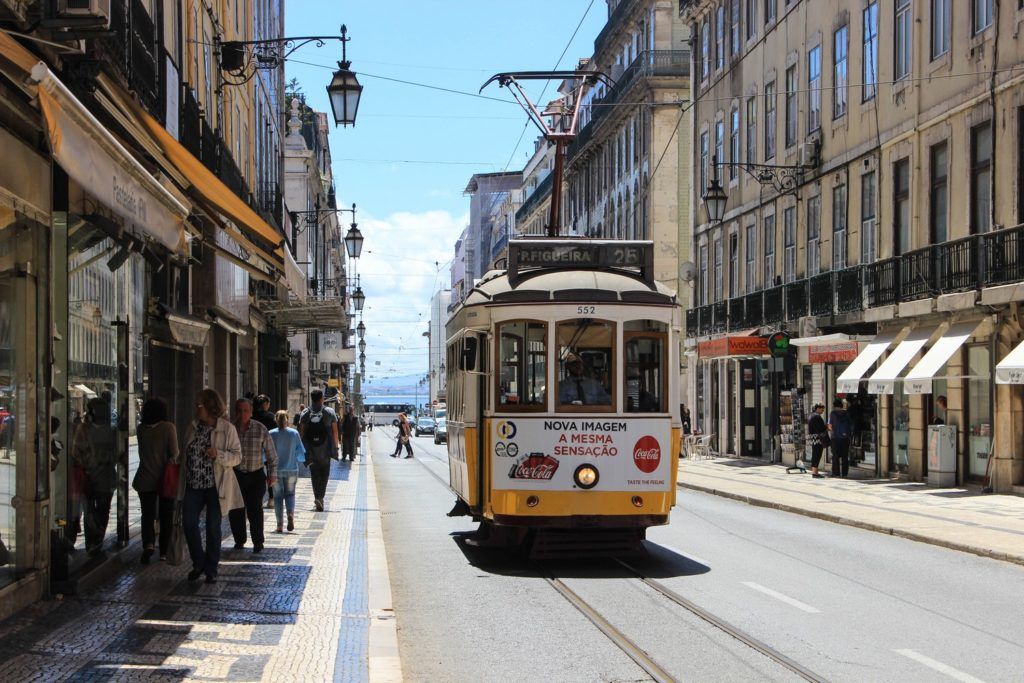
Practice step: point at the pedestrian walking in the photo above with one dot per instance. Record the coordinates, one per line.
(840, 427)
(158, 447)
(403, 437)
(298, 415)
(817, 436)
(208, 481)
(261, 413)
(255, 472)
(95, 451)
(318, 427)
(687, 421)
(350, 430)
(289, 449)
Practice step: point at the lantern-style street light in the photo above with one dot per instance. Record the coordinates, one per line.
(362, 345)
(714, 196)
(358, 299)
(361, 329)
(344, 89)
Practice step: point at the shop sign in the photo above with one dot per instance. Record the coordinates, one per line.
(778, 345)
(733, 346)
(334, 382)
(541, 454)
(845, 352)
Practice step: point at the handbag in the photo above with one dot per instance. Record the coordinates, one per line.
(169, 485)
(176, 549)
(824, 440)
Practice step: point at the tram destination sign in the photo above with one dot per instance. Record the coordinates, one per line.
(582, 254)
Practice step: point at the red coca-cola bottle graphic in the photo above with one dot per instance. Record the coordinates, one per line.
(536, 466)
(647, 454)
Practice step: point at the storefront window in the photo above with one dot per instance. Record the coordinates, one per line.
(900, 429)
(585, 357)
(8, 397)
(645, 367)
(979, 410)
(522, 369)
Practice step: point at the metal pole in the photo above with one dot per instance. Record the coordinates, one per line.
(554, 221)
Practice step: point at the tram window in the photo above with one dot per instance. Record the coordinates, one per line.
(522, 365)
(586, 370)
(645, 366)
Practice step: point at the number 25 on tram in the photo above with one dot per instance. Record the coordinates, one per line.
(563, 409)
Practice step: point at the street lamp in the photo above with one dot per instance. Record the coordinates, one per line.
(781, 178)
(361, 329)
(362, 345)
(714, 196)
(344, 89)
(358, 299)
(362, 358)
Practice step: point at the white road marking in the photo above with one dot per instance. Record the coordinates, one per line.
(938, 666)
(677, 551)
(784, 598)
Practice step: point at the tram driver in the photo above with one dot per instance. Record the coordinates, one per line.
(578, 388)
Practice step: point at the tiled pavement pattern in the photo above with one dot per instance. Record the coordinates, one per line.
(296, 612)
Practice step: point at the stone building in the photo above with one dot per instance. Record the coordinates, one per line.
(841, 131)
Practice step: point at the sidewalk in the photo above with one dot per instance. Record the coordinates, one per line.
(314, 606)
(961, 519)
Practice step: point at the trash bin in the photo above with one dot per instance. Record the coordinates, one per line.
(942, 456)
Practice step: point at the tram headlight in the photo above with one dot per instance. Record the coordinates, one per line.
(586, 476)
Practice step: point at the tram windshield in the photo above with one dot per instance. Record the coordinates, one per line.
(585, 353)
(523, 355)
(644, 366)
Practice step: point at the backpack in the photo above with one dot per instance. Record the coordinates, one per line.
(316, 429)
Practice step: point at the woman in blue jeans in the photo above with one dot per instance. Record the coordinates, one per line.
(208, 481)
(289, 449)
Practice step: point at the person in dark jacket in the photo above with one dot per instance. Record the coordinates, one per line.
(158, 446)
(95, 450)
(840, 427)
(817, 434)
(261, 413)
(349, 434)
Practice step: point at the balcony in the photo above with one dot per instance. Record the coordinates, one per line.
(737, 314)
(881, 280)
(849, 290)
(132, 50)
(615, 21)
(821, 294)
(797, 304)
(720, 316)
(774, 305)
(542, 192)
(1003, 256)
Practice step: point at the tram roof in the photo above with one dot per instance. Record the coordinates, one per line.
(566, 285)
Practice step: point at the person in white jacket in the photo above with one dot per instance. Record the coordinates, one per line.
(208, 481)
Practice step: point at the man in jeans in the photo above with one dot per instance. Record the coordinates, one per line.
(841, 427)
(318, 427)
(253, 479)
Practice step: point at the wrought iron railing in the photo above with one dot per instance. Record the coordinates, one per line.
(822, 294)
(753, 310)
(849, 290)
(774, 305)
(615, 19)
(692, 322)
(958, 264)
(881, 280)
(720, 316)
(131, 47)
(542, 192)
(917, 274)
(737, 313)
(1003, 256)
(797, 304)
(706, 320)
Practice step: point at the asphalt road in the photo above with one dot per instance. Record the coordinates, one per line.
(845, 603)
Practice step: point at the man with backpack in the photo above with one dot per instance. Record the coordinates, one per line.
(318, 427)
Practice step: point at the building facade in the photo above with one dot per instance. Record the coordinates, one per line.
(437, 343)
(840, 131)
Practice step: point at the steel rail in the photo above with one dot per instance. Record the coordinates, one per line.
(740, 635)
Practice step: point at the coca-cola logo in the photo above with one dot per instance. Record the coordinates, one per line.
(535, 466)
(647, 454)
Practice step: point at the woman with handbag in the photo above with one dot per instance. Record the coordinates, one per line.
(403, 437)
(158, 468)
(817, 436)
(95, 451)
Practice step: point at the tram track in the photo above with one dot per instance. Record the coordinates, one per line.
(630, 647)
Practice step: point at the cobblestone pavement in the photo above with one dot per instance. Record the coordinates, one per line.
(297, 612)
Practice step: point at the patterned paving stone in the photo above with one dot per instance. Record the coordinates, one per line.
(296, 612)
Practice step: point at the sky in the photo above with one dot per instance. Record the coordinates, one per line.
(413, 149)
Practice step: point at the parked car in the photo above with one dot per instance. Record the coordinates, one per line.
(424, 425)
(441, 431)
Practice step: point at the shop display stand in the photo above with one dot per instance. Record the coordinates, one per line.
(786, 428)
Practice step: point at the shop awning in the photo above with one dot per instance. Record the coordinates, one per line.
(820, 340)
(12, 51)
(104, 168)
(226, 325)
(884, 379)
(312, 315)
(849, 381)
(82, 390)
(1011, 369)
(738, 346)
(296, 280)
(919, 379)
(208, 186)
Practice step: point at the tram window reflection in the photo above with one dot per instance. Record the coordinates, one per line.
(522, 365)
(585, 354)
(645, 366)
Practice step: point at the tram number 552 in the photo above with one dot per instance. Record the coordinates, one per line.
(586, 310)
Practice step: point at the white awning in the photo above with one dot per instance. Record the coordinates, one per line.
(884, 379)
(294, 278)
(82, 390)
(849, 381)
(1011, 369)
(919, 379)
(820, 340)
(90, 155)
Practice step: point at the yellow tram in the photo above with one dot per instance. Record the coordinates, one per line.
(563, 410)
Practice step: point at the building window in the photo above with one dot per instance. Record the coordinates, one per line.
(719, 141)
(703, 161)
(868, 224)
(750, 276)
(719, 280)
(769, 251)
(791, 106)
(522, 369)
(734, 27)
(941, 26)
(702, 276)
(904, 38)
(839, 71)
(789, 237)
(814, 89)
(734, 142)
(813, 238)
(938, 202)
(720, 38)
(734, 265)
(752, 130)
(981, 177)
(840, 249)
(869, 72)
(705, 50)
(901, 207)
(769, 121)
(982, 15)
(751, 19)
(769, 11)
